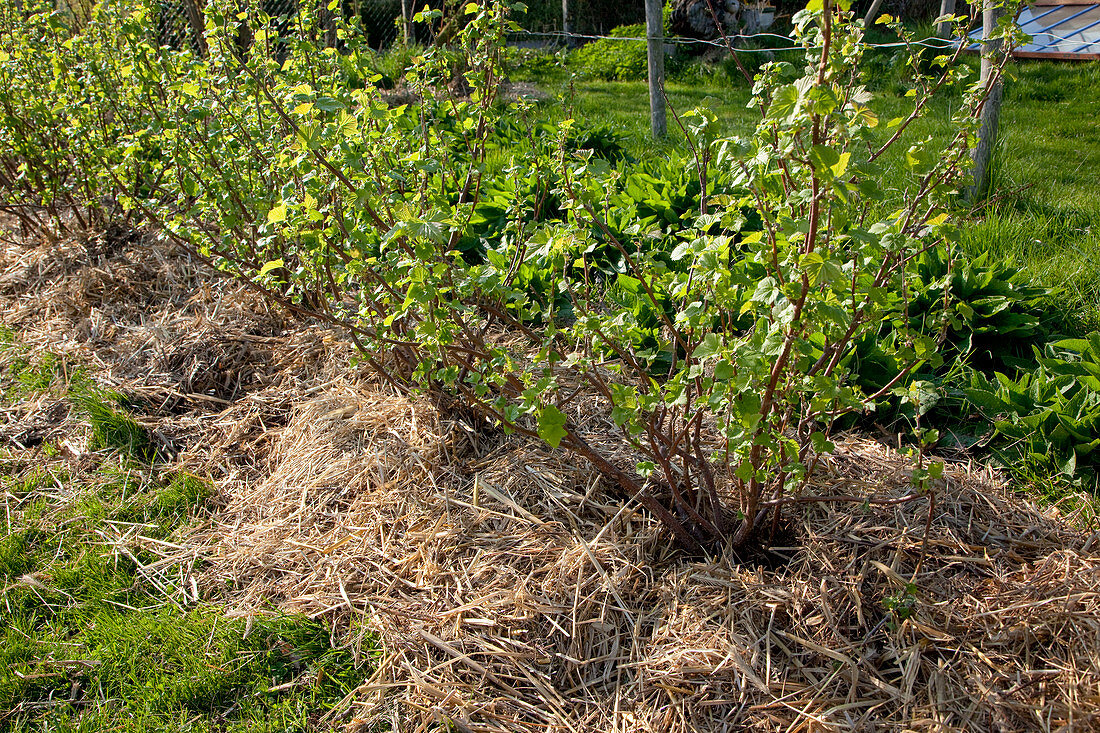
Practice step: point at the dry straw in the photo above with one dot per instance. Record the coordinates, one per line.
(506, 590)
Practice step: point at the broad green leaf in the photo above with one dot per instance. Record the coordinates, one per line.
(277, 214)
(710, 346)
(269, 266)
(828, 160)
(551, 425)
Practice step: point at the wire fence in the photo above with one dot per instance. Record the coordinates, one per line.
(741, 42)
(691, 25)
(179, 23)
(76, 11)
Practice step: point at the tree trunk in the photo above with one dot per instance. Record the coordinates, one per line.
(197, 24)
(947, 7)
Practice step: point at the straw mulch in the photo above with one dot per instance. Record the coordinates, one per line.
(505, 588)
(516, 600)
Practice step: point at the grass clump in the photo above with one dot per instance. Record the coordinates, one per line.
(23, 374)
(111, 426)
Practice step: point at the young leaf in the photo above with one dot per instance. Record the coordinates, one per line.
(551, 425)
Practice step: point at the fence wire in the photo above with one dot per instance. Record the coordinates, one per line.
(741, 42)
(76, 12)
(179, 24)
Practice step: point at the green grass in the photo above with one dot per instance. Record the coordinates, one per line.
(90, 640)
(33, 375)
(112, 427)
(1047, 214)
(87, 643)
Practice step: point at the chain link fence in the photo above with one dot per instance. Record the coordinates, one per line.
(179, 23)
(76, 11)
(385, 22)
(590, 17)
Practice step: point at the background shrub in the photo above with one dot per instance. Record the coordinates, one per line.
(619, 59)
(613, 60)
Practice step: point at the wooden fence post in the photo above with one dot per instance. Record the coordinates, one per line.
(566, 24)
(655, 53)
(197, 24)
(406, 22)
(992, 53)
(947, 7)
(872, 13)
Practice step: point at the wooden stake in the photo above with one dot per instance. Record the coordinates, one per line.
(565, 24)
(197, 24)
(947, 7)
(872, 12)
(991, 110)
(406, 22)
(655, 51)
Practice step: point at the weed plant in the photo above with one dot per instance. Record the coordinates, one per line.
(112, 427)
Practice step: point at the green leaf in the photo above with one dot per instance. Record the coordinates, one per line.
(821, 444)
(710, 346)
(784, 101)
(277, 214)
(920, 159)
(630, 284)
(552, 425)
(328, 104)
(269, 266)
(827, 160)
(1070, 466)
(821, 270)
(984, 399)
